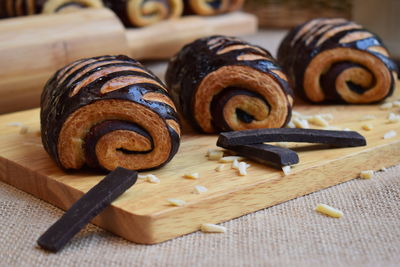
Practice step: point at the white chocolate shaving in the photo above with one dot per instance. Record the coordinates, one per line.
(198, 189)
(318, 120)
(194, 175)
(368, 174)
(215, 155)
(286, 169)
(230, 159)
(176, 202)
(367, 126)
(328, 210)
(220, 167)
(243, 168)
(212, 228)
(301, 123)
(390, 134)
(153, 179)
(393, 118)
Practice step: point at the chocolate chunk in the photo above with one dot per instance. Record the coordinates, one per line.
(86, 208)
(257, 136)
(267, 154)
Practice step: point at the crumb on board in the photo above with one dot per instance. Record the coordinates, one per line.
(390, 134)
(396, 104)
(194, 175)
(393, 118)
(151, 178)
(235, 164)
(367, 126)
(301, 123)
(214, 154)
(230, 159)
(367, 174)
(286, 169)
(346, 129)
(332, 128)
(242, 168)
(199, 189)
(176, 202)
(212, 228)
(329, 211)
(318, 120)
(290, 125)
(220, 167)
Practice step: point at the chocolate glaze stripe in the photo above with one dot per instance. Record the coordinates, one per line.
(256, 136)
(91, 76)
(355, 36)
(335, 30)
(85, 69)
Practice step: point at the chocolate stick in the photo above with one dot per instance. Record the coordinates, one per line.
(256, 136)
(267, 154)
(86, 208)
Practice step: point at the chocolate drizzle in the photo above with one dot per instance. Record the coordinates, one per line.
(58, 104)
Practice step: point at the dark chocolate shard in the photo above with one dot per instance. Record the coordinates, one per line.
(257, 136)
(86, 208)
(267, 154)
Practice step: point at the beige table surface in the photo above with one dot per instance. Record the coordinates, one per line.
(289, 234)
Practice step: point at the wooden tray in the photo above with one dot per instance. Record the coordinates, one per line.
(143, 215)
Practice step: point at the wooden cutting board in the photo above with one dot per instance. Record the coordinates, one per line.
(143, 215)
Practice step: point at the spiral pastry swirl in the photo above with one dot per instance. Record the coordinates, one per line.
(221, 83)
(14, 8)
(337, 60)
(211, 7)
(138, 13)
(107, 112)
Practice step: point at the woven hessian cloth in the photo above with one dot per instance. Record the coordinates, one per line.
(289, 234)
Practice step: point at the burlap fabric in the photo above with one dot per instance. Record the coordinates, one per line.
(289, 234)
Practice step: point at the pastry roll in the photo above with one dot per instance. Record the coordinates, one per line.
(138, 13)
(107, 112)
(222, 83)
(337, 60)
(211, 7)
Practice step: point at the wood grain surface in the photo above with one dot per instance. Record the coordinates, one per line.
(32, 48)
(143, 215)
